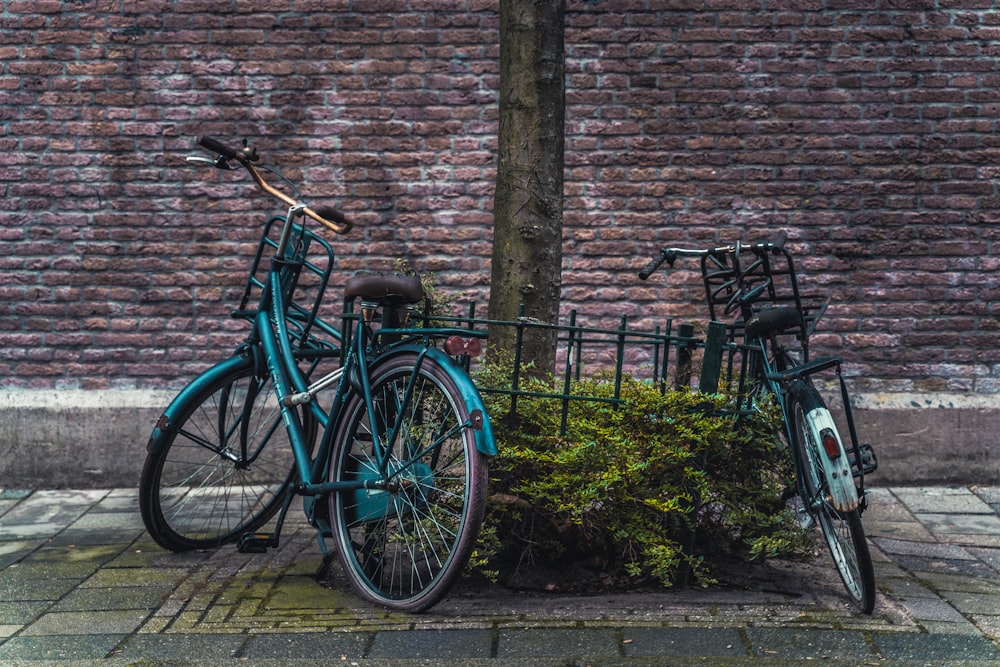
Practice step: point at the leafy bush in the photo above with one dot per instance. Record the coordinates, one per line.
(652, 488)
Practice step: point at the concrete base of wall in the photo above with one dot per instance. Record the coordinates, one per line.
(97, 439)
(76, 438)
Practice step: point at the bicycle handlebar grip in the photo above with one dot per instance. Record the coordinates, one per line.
(653, 265)
(333, 215)
(217, 146)
(330, 213)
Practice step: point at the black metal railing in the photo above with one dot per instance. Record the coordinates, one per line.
(662, 356)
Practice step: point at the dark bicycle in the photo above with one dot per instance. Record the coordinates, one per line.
(755, 288)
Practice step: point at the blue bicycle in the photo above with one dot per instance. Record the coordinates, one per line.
(374, 423)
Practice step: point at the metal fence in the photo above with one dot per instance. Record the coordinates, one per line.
(664, 357)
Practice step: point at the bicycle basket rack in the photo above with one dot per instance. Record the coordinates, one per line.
(727, 276)
(305, 272)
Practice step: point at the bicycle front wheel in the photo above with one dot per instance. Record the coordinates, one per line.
(403, 542)
(843, 531)
(223, 467)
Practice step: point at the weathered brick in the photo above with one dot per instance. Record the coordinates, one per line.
(866, 135)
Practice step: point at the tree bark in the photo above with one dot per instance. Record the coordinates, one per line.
(527, 223)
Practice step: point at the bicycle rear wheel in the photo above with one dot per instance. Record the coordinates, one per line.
(842, 531)
(402, 546)
(222, 469)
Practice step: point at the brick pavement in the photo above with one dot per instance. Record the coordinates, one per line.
(81, 583)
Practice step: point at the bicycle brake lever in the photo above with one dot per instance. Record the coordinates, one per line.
(220, 162)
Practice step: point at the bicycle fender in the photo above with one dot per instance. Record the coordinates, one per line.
(839, 479)
(164, 425)
(483, 429)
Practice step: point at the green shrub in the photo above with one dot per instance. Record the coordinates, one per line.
(652, 488)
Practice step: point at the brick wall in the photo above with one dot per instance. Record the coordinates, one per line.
(867, 134)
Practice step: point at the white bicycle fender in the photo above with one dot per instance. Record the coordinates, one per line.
(839, 480)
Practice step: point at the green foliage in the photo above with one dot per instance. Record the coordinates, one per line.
(651, 487)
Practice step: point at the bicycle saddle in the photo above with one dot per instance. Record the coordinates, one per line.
(384, 286)
(773, 319)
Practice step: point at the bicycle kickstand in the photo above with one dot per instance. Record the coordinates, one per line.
(260, 542)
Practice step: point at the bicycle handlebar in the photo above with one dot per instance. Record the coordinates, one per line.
(327, 216)
(671, 254)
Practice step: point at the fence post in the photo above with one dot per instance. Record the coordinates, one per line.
(515, 383)
(573, 345)
(683, 377)
(711, 365)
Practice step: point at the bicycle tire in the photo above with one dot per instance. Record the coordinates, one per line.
(201, 488)
(404, 547)
(842, 531)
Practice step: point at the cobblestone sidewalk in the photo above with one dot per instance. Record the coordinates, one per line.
(81, 583)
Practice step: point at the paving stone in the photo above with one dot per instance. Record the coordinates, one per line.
(678, 642)
(989, 494)
(922, 648)
(13, 551)
(87, 623)
(973, 603)
(930, 550)
(56, 509)
(333, 647)
(433, 644)
(103, 521)
(118, 500)
(16, 588)
(990, 556)
(185, 647)
(931, 609)
(952, 500)
(900, 530)
(944, 581)
(22, 612)
(905, 587)
(557, 642)
(124, 577)
(71, 557)
(970, 568)
(110, 599)
(808, 644)
(34, 570)
(29, 529)
(53, 648)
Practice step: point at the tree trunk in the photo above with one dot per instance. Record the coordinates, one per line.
(527, 223)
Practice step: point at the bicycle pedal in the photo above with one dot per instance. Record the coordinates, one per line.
(805, 519)
(868, 463)
(255, 543)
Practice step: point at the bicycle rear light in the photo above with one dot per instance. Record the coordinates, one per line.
(830, 443)
(458, 346)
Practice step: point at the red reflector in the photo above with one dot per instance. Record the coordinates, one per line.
(457, 346)
(830, 443)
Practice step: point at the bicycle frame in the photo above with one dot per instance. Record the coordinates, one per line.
(291, 390)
